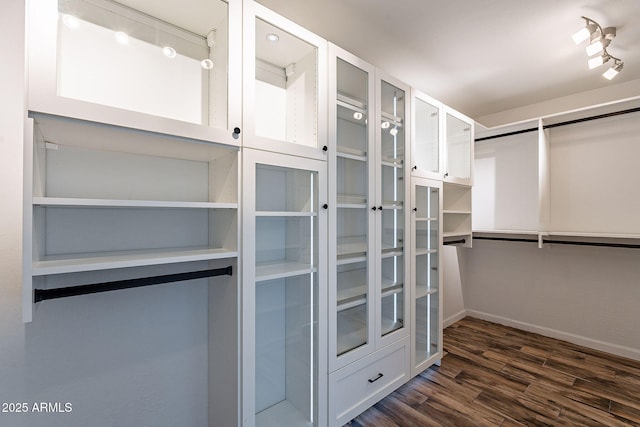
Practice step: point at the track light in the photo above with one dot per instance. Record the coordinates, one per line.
(597, 61)
(599, 40)
(614, 70)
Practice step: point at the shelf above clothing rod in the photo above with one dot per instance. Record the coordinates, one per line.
(561, 242)
(92, 288)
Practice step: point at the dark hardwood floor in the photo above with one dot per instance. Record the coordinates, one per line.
(493, 375)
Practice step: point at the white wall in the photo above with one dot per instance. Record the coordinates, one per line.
(453, 297)
(587, 295)
(136, 357)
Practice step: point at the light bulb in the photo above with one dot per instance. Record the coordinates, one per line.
(613, 71)
(207, 64)
(594, 48)
(394, 131)
(122, 37)
(70, 21)
(169, 52)
(584, 33)
(272, 37)
(385, 125)
(357, 115)
(597, 61)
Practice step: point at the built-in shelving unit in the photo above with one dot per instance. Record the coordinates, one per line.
(551, 192)
(456, 210)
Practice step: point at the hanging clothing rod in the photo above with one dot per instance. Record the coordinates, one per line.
(568, 122)
(45, 294)
(454, 242)
(561, 242)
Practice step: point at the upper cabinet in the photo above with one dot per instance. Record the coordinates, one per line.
(458, 143)
(426, 137)
(284, 93)
(158, 66)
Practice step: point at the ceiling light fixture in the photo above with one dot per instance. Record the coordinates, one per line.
(272, 37)
(169, 52)
(122, 37)
(614, 70)
(206, 64)
(70, 21)
(599, 40)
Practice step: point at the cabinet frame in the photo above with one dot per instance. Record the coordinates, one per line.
(253, 11)
(415, 169)
(447, 176)
(251, 158)
(42, 75)
(419, 366)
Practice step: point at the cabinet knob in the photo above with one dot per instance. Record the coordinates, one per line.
(446, 174)
(325, 206)
(325, 148)
(379, 208)
(415, 167)
(415, 209)
(236, 132)
(373, 208)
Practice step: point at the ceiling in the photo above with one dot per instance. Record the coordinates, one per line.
(497, 61)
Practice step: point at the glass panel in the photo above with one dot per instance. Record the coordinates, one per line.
(427, 275)
(427, 136)
(286, 104)
(149, 57)
(352, 209)
(392, 103)
(286, 351)
(458, 147)
(286, 296)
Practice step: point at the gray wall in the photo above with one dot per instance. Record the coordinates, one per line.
(127, 358)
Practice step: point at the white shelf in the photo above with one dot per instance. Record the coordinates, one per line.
(392, 163)
(393, 120)
(389, 325)
(392, 205)
(115, 203)
(358, 200)
(354, 339)
(281, 270)
(351, 206)
(356, 157)
(391, 252)
(348, 151)
(281, 414)
(285, 214)
(422, 291)
(455, 234)
(352, 247)
(124, 259)
(457, 212)
(351, 102)
(393, 290)
(521, 232)
(427, 218)
(420, 252)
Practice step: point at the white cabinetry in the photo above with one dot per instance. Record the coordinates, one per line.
(169, 67)
(284, 291)
(284, 92)
(458, 144)
(368, 297)
(426, 274)
(426, 136)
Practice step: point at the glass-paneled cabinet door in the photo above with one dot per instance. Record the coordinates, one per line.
(351, 160)
(459, 131)
(426, 147)
(284, 339)
(284, 90)
(392, 187)
(133, 62)
(426, 274)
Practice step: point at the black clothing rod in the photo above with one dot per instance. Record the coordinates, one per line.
(568, 122)
(45, 294)
(562, 242)
(454, 242)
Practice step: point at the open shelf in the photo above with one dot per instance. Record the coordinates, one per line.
(116, 203)
(280, 270)
(123, 259)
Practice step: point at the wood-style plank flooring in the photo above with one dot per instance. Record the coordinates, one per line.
(493, 375)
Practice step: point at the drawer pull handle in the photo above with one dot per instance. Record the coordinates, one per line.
(373, 380)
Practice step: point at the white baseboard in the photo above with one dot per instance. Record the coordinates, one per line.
(619, 350)
(453, 319)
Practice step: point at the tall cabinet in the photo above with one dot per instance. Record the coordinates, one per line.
(284, 363)
(368, 295)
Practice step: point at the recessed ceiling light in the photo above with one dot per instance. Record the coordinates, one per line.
(70, 21)
(357, 115)
(169, 52)
(272, 37)
(122, 37)
(207, 64)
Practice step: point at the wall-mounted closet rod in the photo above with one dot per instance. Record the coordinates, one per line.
(45, 294)
(454, 242)
(568, 122)
(561, 242)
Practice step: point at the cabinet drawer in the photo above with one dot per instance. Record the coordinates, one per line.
(359, 385)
